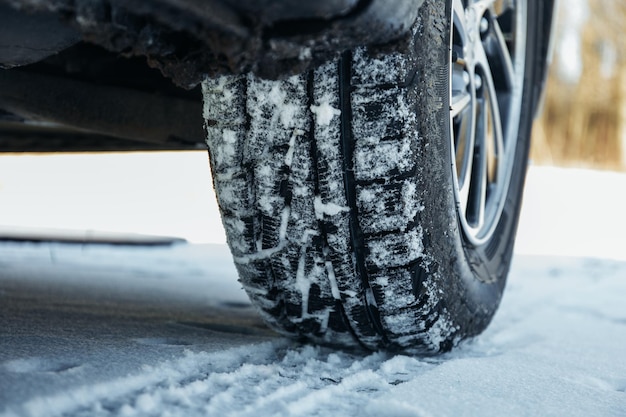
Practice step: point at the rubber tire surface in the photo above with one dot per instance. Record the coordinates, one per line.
(335, 189)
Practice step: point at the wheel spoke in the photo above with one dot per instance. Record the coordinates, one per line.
(501, 153)
(465, 123)
(459, 18)
(465, 151)
(481, 6)
(501, 61)
(478, 183)
(460, 102)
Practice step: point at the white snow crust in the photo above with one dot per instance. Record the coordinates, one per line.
(554, 349)
(327, 209)
(324, 113)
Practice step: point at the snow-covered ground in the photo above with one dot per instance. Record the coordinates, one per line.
(96, 330)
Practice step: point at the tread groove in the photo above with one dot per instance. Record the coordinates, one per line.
(347, 145)
(339, 308)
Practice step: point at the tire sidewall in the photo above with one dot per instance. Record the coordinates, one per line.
(471, 277)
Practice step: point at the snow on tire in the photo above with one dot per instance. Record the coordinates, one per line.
(338, 198)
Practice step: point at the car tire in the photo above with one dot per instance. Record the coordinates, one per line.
(374, 201)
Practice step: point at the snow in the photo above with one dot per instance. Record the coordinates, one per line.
(324, 113)
(292, 143)
(333, 280)
(286, 112)
(555, 348)
(392, 250)
(271, 95)
(98, 330)
(171, 195)
(573, 212)
(226, 152)
(327, 209)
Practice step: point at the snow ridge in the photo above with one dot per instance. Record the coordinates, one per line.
(268, 379)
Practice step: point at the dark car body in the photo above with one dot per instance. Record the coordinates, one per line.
(121, 74)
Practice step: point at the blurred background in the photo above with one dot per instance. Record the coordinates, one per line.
(583, 123)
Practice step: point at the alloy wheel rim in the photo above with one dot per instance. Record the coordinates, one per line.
(487, 60)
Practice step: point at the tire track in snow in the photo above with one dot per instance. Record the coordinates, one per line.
(268, 379)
